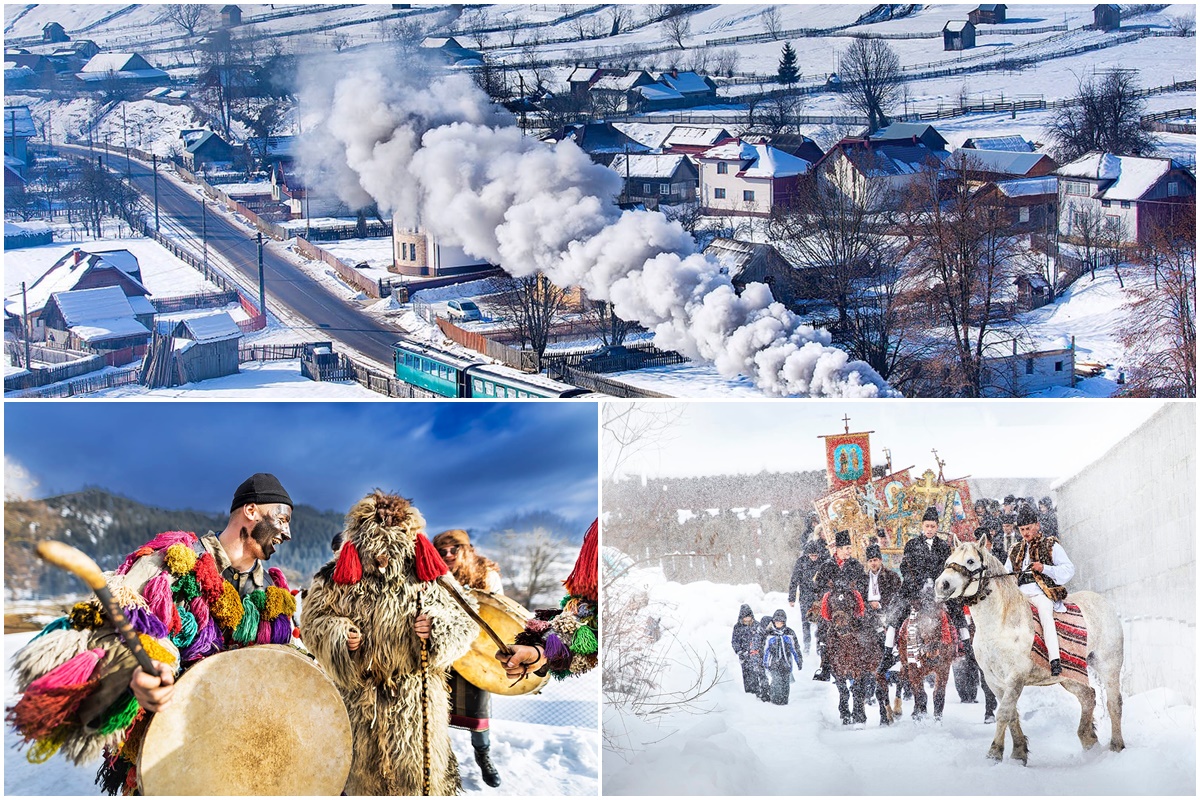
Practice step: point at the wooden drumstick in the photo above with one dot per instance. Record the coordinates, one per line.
(81, 566)
(473, 614)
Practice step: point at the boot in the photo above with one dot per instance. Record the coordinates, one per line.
(483, 758)
(1055, 668)
(822, 674)
(889, 659)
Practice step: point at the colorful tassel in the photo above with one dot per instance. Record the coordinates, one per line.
(277, 578)
(281, 630)
(209, 578)
(208, 641)
(156, 650)
(179, 559)
(113, 775)
(199, 610)
(119, 715)
(43, 749)
(160, 542)
(227, 609)
(71, 673)
(555, 649)
(187, 629)
(584, 641)
(185, 587)
(429, 563)
(157, 592)
(134, 737)
(279, 602)
(349, 565)
(264, 632)
(145, 622)
(62, 623)
(583, 579)
(35, 716)
(86, 616)
(247, 629)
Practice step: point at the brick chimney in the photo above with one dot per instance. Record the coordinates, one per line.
(79, 254)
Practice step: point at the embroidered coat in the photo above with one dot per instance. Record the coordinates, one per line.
(1043, 552)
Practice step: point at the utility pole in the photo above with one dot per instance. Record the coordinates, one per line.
(154, 158)
(204, 230)
(25, 322)
(262, 286)
(125, 131)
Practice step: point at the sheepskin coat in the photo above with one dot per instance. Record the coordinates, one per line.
(381, 682)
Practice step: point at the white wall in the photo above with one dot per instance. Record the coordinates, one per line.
(1128, 521)
(710, 180)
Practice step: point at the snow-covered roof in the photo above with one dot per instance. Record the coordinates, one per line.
(656, 92)
(141, 305)
(202, 139)
(121, 259)
(114, 62)
(689, 135)
(957, 25)
(1015, 144)
(18, 122)
(758, 160)
(686, 83)
(647, 166)
(1130, 176)
(891, 158)
(209, 327)
(732, 254)
(1028, 187)
(582, 74)
(620, 83)
(66, 273)
(649, 134)
(1002, 161)
(104, 329)
(99, 314)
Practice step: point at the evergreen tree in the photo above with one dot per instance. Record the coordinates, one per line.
(788, 73)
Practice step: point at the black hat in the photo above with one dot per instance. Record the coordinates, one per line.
(780, 615)
(1009, 500)
(260, 488)
(813, 548)
(1008, 519)
(931, 513)
(1026, 516)
(1046, 501)
(841, 539)
(981, 532)
(873, 551)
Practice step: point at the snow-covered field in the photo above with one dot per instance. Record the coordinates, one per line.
(742, 746)
(534, 753)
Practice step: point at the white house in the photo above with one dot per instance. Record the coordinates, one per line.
(1129, 194)
(741, 178)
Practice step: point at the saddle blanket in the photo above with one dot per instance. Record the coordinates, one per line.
(1072, 643)
(947, 628)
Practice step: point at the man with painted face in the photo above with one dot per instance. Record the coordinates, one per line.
(923, 560)
(1043, 570)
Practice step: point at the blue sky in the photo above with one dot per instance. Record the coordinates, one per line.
(464, 464)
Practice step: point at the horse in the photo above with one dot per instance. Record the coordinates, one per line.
(854, 654)
(923, 652)
(1004, 632)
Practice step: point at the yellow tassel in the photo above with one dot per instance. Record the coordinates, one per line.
(227, 611)
(86, 616)
(179, 559)
(44, 749)
(279, 601)
(155, 650)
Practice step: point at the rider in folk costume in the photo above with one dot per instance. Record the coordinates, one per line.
(186, 597)
(883, 585)
(747, 648)
(801, 588)
(386, 630)
(470, 706)
(839, 572)
(780, 651)
(1043, 570)
(923, 560)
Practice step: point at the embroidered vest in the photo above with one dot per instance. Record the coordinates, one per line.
(1043, 552)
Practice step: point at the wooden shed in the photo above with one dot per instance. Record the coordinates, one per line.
(1106, 17)
(206, 347)
(54, 32)
(989, 14)
(959, 34)
(231, 16)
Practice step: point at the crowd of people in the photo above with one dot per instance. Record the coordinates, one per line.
(1021, 533)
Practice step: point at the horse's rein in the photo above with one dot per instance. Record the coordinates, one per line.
(980, 576)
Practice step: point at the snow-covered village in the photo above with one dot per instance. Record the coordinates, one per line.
(833, 611)
(629, 200)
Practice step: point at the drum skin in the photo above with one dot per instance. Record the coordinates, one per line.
(479, 666)
(262, 720)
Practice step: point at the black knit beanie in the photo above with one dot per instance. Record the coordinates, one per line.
(260, 488)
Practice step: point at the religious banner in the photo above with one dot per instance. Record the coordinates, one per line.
(847, 459)
(959, 513)
(885, 501)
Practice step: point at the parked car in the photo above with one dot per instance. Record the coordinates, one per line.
(464, 311)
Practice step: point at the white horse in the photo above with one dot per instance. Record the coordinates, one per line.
(1004, 640)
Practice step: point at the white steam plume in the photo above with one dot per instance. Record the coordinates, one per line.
(443, 156)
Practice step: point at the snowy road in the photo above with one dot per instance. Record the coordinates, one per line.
(743, 746)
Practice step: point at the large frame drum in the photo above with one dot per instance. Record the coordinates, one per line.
(479, 666)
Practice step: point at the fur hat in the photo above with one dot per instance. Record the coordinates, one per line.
(931, 513)
(873, 551)
(1026, 516)
(981, 532)
(260, 488)
(1009, 500)
(841, 539)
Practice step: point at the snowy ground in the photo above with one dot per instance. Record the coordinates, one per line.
(745, 747)
(534, 755)
(255, 381)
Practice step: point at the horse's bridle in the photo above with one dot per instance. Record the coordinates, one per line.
(980, 575)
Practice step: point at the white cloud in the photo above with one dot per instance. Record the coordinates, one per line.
(18, 483)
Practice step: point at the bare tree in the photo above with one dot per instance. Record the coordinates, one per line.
(1105, 115)
(517, 22)
(474, 22)
(1085, 230)
(872, 82)
(632, 428)
(773, 22)
(338, 41)
(620, 16)
(1161, 333)
(611, 329)
(581, 26)
(534, 304)
(188, 16)
(964, 252)
(1183, 24)
(725, 62)
(530, 563)
(677, 29)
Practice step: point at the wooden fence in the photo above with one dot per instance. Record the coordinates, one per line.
(193, 302)
(88, 385)
(71, 364)
(595, 383)
(509, 356)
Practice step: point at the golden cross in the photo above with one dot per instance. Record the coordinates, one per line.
(940, 464)
(927, 489)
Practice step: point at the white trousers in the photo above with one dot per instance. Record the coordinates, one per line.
(1045, 609)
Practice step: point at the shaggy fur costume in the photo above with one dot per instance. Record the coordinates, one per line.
(381, 681)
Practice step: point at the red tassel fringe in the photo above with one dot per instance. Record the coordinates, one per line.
(37, 715)
(430, 565)
(349, 565)
(582, 582)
